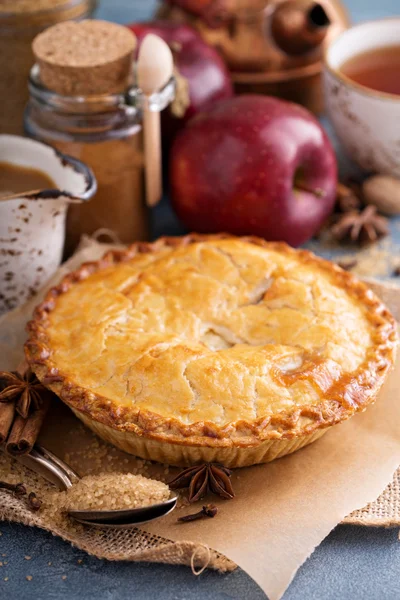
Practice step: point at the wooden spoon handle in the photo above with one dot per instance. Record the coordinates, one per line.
(153, 157)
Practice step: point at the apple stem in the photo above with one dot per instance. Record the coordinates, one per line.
(319, 192)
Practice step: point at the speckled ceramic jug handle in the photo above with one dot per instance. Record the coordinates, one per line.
(32, 226)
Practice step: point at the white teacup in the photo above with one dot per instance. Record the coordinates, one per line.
(367, 122)
(32, 226)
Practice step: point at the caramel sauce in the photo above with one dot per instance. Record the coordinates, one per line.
(15, 179)
(377, 69)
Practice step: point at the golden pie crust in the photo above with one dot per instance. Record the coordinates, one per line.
(212, 348)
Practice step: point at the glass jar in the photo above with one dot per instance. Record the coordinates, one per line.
(103, 131)
(20, 22)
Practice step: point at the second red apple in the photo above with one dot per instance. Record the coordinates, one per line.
(254, 165)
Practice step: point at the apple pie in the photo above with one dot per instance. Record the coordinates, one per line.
(212, 348)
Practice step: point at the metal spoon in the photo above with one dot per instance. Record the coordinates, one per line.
(56, 471)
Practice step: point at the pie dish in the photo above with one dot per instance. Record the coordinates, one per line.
(212, 348)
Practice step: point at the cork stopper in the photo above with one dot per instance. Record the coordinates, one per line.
(86, 57)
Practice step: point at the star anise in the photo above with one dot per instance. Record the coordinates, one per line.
(364, 227)
(209, 477)
(26, 390)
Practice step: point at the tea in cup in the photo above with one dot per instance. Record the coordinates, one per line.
(362, 93)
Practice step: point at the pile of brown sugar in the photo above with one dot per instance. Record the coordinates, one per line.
(111, 491)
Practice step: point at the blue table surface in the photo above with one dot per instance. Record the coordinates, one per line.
(351, 563)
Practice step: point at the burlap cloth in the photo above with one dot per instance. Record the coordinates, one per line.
(136, 545)
(121, 544)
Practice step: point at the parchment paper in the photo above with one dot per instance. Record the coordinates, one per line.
(284, 509)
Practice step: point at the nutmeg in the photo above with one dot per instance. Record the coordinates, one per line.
(382, 191)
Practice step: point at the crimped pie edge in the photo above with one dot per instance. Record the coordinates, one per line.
(350, 396)
(180, 456)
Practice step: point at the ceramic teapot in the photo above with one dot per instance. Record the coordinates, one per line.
(271, 46)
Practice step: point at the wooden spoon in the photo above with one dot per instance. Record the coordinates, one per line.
(154, 69)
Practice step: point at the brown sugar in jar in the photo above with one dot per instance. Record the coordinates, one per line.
(20, 22)
(93, 112)
(118, 205)
(106, 135)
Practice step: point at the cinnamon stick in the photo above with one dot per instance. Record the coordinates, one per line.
(15, 434)
(24, 432)
(7, 411)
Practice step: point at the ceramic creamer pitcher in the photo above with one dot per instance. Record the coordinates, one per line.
(32, 225)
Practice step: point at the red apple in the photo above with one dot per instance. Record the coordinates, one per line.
(200, 64)
(254, 165)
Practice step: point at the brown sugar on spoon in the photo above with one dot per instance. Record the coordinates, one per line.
(89, 57)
